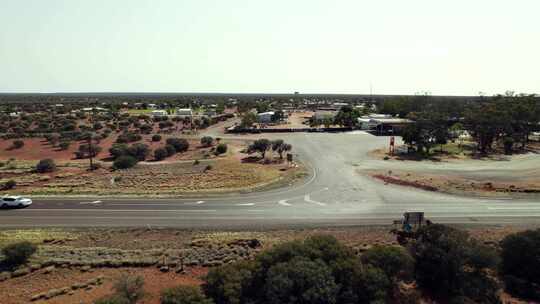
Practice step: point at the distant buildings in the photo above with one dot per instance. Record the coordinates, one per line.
(159, 113)
(186, 112)
(265, 117)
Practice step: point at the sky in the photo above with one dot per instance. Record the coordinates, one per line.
(458, 47)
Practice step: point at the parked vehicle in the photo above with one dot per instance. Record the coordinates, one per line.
(10, 201)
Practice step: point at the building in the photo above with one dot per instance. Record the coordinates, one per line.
(186, 112)
(159, 113)
(383, 124)
(265, 117)
(152, 106)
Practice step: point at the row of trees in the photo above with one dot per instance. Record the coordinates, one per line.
(264, 145)
(505, 120)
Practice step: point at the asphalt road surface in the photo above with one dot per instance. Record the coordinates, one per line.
(335, 194)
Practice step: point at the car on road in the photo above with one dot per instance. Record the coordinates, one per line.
(11, 201)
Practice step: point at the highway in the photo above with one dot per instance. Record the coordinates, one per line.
(334, 194)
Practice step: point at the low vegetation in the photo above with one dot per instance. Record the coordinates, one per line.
(18, 253)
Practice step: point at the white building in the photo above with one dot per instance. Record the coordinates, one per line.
(265, 117)
(159, 113)
(152, 106)
(187, 112)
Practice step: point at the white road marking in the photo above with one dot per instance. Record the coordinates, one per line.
(308, 199)
(91, 203)
(119, 210)
(284, 203)
(199, 202)
(513, 208)
(246, 204)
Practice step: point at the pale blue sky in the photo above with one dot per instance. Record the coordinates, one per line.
(400, 46)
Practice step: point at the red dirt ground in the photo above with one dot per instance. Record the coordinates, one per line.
(23, 288)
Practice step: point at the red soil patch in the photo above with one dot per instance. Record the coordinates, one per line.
(397, 181)
(20, 290)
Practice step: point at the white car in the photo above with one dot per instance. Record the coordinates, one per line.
(14, 201)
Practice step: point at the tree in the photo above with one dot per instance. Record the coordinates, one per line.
(261, 146)
(207, 141)
(18, 253)
(280, 147)
(451, 264)
(278, 115)
(124, 162)
(394, 261)
(160, 154)
(64, 145)
(347, 116)
(184, 294)
(248, 120)
(139, 151)
(156, 137)
(118, 150)
(171, 150)
(301, 280)
(45, 166)
(10, 184)
(221, 149)
(179, 144)
(521, 263)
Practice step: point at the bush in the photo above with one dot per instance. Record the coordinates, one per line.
(448, 263)
(317, 270)
(10, 184)
(207, 141)
(45, 165)
(156, 137)
(521, 264)
(221, 149)
(17, 144)
(301, 279)
(160, 154)
(114, 299)
(18, 253)
(184, 295)
(129, 288)
(118, 150)
(179, 144)
(171, 150)
(394, 261)
(139, 151)
(64, 145)
(124, 162)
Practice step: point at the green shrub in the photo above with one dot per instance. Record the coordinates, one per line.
(129, 288)
(45, 165)
(301, 279)
(394, 261)
(316, 270)
(171, 150)
(520, 254)
(10, 184)
(179, 144)
(184, 295)
(114, 299)
(17, 144)
(160, 154)
(64, 145)
(448, 262)
(221, 149)
(207, 141)
(156, 137)
(18, 253)
(124, 162)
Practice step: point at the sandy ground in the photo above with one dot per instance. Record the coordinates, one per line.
(496, 176)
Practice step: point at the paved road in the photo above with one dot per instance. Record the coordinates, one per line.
(335, 194)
